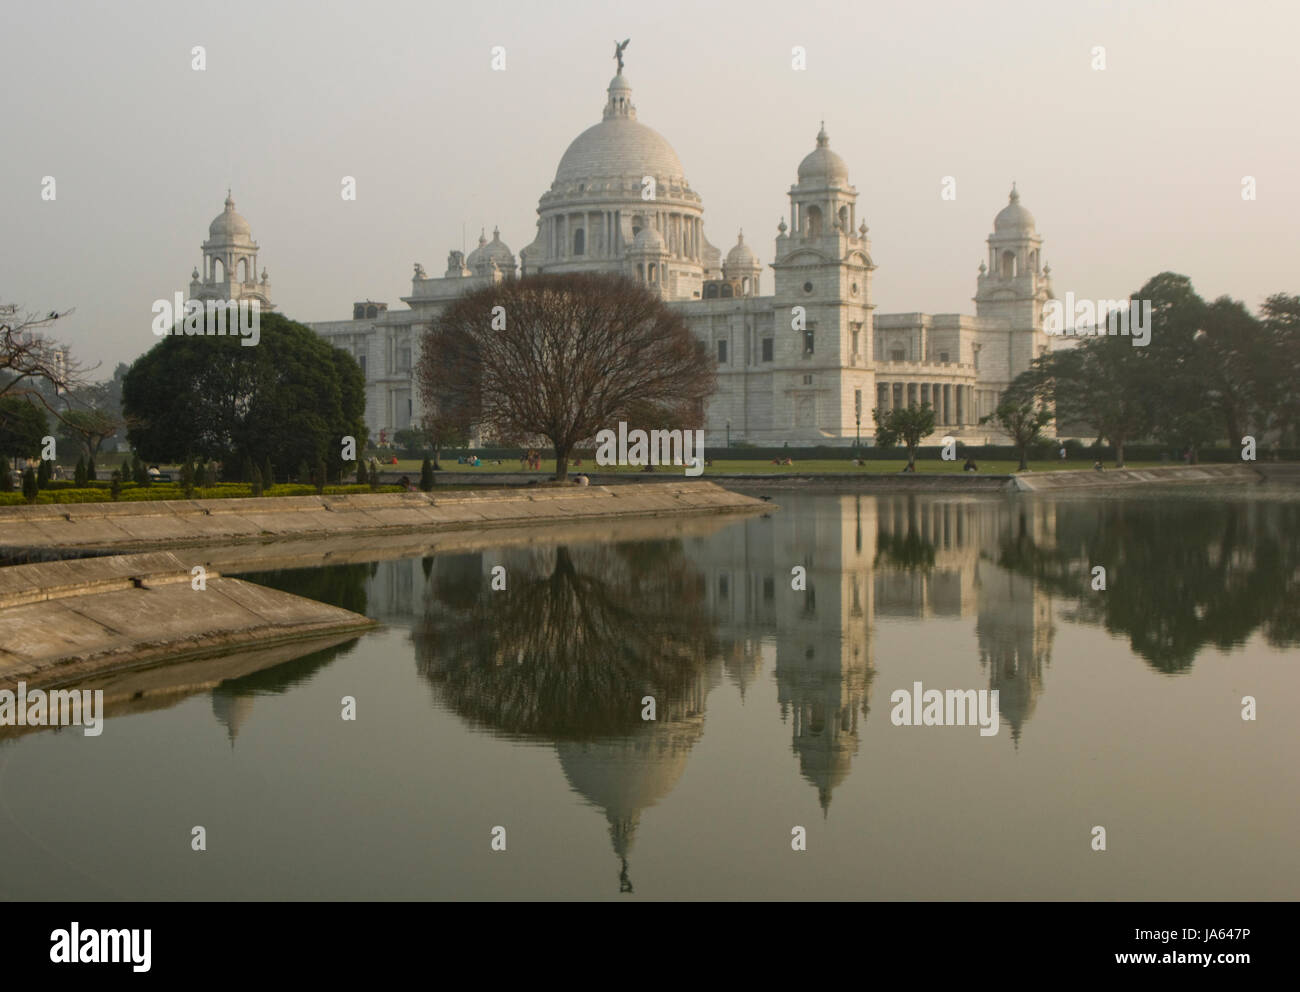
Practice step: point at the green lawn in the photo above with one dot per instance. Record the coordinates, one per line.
(827, 466)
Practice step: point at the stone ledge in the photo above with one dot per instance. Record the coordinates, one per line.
(167, 523)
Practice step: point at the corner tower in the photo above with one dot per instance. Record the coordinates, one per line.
(1013, 285)
(823, 304)
(230, 262)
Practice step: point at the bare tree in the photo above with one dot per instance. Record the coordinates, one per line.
(562, 357)
(28, 359)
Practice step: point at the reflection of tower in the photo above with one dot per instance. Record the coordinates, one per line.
(231, 711)
(824, 695)
(626, 775)
(1014, 629)
(817, 635)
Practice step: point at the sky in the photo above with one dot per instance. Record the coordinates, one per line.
(1130, 170)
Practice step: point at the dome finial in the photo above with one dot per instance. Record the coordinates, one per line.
(230, 203)
(822, 139)
(740, 237)
(1015, 195)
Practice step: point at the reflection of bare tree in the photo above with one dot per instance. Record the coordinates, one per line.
(567, 652)
(573, 643)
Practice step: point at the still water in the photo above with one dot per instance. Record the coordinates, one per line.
(522, 708)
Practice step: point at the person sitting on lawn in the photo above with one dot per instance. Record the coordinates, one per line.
(970, 465)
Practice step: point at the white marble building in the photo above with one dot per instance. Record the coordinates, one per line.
(786, 375)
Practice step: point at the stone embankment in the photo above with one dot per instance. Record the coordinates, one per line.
(63, 621)
(106, 527)
(1038, 482)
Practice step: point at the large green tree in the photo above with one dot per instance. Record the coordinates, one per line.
(22, 425)
(291, 398)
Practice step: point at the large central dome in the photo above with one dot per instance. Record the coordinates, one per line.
(620, 202)
(619, 147)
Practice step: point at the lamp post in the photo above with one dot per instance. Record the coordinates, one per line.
(728, 433)
(857, 417)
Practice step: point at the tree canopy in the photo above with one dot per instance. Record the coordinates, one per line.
(563, 357)
(292, 398)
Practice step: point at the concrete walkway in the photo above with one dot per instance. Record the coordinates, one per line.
(63, 621)
(75, 527)
(1110, 478)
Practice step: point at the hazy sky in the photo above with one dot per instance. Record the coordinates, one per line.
(1129, 171)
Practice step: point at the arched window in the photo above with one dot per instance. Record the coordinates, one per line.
(243, 270)
(218, 270)
(844, 219)
(711, 292)
(579, 241)
(727, 291)
(1008, 264)
(814, 222)
(744, 286)
(372, 311)
(1033, 261)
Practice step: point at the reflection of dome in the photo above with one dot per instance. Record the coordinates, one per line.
(1013, 218)
(229, 225)
(626, 775)
(822, 165)
(231, 711)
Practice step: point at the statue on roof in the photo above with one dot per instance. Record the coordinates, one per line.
(618, 52)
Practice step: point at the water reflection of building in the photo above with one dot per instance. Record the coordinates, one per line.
(231, 711)
(903, 557)
(625, 776)
(817, 637)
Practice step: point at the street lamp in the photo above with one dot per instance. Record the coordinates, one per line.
(857, 417)
(728, 433)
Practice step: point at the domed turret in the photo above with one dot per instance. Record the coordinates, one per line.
(481, 258)
(1014, 219)
(229, 225)
(822, 165)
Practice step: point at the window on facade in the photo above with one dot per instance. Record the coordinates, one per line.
(769, 589)
(579, 241)
(943, 357)
(767, 349)
(722, 352)
(724, 587)
(807, 380)
(897, 355)
(404, 359)
(361, 360)
(808, 341)
(856, 328)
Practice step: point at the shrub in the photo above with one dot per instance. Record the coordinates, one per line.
(255, 482)
(304, 473)
(361, 473)
(43, 474)
(319, 476)
(90, 468)
(268, 472)
(426, 476)
(200, 475)
(6, 476)
(80, 474)
(140, 474)
(187, 479)
(115, 489)
(30, 489)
